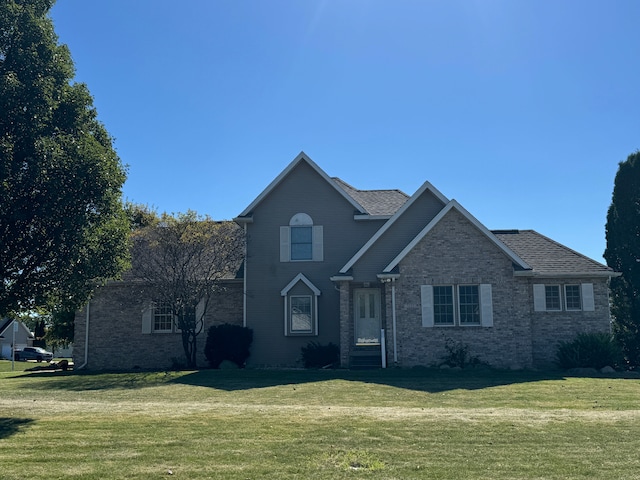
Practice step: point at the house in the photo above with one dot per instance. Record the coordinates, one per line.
(23, 337)
(388, 277)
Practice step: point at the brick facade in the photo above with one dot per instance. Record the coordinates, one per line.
(456, 253)
(116, 341)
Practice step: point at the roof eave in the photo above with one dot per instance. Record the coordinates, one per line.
(539, 274)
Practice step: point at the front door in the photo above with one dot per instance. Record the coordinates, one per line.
(367, 316)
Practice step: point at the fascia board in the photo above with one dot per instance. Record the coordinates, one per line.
(276, 181)
(451, 205)
(537, 274)
(425, 186)
(305, 280)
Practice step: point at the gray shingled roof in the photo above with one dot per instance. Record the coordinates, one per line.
(375, 202)
(548, 257)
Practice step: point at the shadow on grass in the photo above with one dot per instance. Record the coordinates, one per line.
(11, 426)
(422, 380)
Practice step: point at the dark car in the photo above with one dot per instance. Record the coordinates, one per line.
(33, 353)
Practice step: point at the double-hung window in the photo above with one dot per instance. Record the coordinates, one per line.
(301, 314)
(443, 305)
(162, 318)
(301, 243)
(462, 305)
(568, 297)
(552, 297)
(572, 297)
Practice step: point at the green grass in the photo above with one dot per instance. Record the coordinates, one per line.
(393, 424)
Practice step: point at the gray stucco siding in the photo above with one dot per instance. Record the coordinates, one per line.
(393, 240)
(303, 191)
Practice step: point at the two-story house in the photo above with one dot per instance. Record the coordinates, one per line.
(388, 277)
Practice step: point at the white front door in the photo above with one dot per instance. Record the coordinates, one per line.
(367, 316)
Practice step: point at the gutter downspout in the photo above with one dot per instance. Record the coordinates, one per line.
(244, 281)
(86, 339)
(393, 315)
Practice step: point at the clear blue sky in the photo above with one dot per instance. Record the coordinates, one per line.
(520, 110)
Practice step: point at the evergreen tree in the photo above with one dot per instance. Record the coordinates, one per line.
(623, 255)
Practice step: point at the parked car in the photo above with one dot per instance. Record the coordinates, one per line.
(32, 353)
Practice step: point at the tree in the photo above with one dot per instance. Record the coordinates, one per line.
(181, 260)
(63, 230)
(623, 255)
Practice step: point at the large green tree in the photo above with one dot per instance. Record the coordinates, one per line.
(623, 255)
(63, 230)
(181, 260)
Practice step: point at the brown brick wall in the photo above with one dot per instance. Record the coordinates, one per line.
(455, 253)
(116, 341)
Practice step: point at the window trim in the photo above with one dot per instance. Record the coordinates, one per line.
(546, 303)
(453, 306)
(286, 294)
(479, 313)
(155, 316)
(566, 297)
(485, 305)
(293, 331)
(317, 239)
(587, 300)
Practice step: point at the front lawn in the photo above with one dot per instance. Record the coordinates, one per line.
(250, 424)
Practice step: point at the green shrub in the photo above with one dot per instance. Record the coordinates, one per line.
(589, 350)
(316, 355)
(458, 355)
(228, 342)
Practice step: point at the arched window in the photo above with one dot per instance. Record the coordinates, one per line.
(301, 240)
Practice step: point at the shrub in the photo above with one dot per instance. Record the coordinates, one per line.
(316, 355)
(228, 342)
(589, 350)
(458, 355)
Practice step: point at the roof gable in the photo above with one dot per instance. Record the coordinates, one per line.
(425, 188)
(300, 278)
(7, 322)
(302, 157)
(453, 204)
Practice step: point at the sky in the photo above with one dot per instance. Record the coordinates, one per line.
(519, 110)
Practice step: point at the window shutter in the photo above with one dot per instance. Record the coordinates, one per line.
(588, 301)
(285, 249)
(317, 248)
(147, 319)
(539, 298)
(426, 296)
(486, 305)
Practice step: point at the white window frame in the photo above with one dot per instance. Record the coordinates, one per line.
(453, 306)
(161, 314)
(293, 331)
(485, 306)
(587, 300)
(301, 220)
(546, 303)
(287, 294)
(479, 312)
(566, 297)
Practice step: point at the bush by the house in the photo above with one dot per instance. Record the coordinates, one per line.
(316, 355)
(458, 355)
(228, 342)
(589, 350)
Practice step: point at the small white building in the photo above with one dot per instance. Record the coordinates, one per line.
(23, 337)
